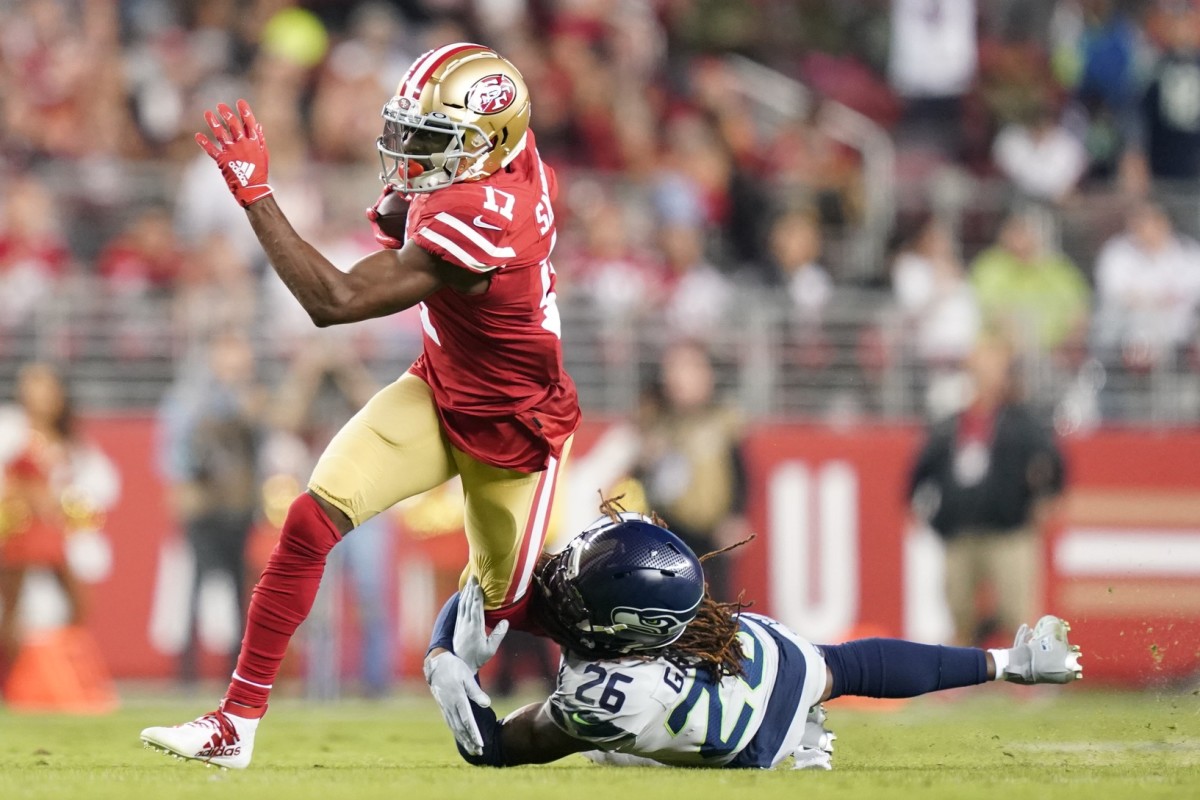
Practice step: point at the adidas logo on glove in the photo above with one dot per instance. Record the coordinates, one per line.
(243, 170)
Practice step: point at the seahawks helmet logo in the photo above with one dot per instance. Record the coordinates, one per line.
(651, 621)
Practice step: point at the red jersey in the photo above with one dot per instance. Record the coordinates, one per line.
(494, 360)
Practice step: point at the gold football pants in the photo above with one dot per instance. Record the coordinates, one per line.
(394, 448)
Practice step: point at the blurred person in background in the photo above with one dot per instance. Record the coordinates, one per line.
(141, 267)
(1147, 291)
(1043, 159)
(1097, 50)
(352, 78)
(984, 480)
(1034, 293)
(690, 462)
(54, 481)
(932, 65)
(794, 244)
(930, 287)
(1170, 110)
(33, 254)
(609, 271)
(325, 383)
(144, 259)
(794, 247)
(214, 292)
(210, 431)
(698, 296)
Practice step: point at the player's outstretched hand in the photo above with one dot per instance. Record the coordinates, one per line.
(240, 150)
(471, 640)
(453, 685)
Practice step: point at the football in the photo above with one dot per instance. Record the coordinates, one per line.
(393, 212)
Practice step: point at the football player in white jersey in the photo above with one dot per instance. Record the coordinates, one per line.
(656, 671)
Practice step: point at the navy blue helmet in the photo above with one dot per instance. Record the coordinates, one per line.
(621, 587)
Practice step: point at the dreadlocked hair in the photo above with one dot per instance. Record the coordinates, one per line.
(710, 640)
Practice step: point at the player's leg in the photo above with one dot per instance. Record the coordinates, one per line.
(507, 516)
(12, 580)
(961, 583)
(1014, 565)
(390, 450)
(899, 668)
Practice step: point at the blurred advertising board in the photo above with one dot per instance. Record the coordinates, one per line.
(837, 556)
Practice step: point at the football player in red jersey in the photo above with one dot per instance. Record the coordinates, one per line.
(488, 399)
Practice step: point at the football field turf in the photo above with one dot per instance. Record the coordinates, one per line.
(998, 742)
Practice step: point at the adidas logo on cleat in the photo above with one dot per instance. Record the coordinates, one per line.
(219, 752)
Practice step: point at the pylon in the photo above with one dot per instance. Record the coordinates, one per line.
(60, 670)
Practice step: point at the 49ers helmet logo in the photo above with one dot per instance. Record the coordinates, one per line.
(492, 94)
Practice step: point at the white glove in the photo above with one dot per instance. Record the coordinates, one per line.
(451, 676)
(453, 685)
(471, 640)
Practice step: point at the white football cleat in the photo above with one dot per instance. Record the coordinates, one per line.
(1042, 654)
(220, 738)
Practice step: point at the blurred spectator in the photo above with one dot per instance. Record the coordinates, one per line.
(982, 481)
(33, 255)
(932, 64)
(932, 291)
(1147, 289)
(324, 385)
(1171, 105)
(691, 463)
(1039, 155)
(1097, 46)
(215, 292)
(210, 433)
(795, 250)
(145, 258)
(619, 279)
(53, 482)
(1034, 293)
(698, 295)
(362, 71)
(816, 169)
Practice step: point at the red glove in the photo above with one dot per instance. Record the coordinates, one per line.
(240, 150)
(390, 242)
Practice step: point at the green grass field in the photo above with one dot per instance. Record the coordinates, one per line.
(996, 743)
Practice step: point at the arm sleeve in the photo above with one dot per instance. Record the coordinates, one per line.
(493, 739)
(443, 626)
(465, 235)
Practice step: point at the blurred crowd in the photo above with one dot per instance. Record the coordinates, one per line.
(691, 174)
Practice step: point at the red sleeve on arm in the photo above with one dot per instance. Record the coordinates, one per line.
(463, 233)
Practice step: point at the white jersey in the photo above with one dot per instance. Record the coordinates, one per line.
(652, 709)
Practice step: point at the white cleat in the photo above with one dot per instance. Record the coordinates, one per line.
(1042, 654)
(219, 739)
